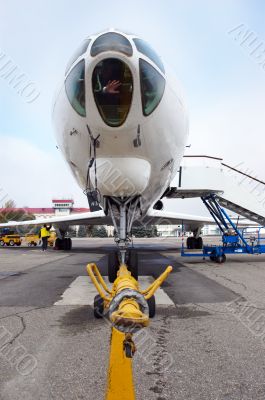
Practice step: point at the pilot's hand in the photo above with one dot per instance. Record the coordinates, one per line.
(112, 87)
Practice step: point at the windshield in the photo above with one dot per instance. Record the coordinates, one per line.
(152, 87)
(79, 51)
(75, 88)
(111, 41)
(147, 50)
(112, 85)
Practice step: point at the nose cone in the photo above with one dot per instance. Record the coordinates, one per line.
(122, 177)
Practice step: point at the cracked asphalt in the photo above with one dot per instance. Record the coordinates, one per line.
(209, 345)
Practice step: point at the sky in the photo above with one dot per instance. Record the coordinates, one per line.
(203, 43)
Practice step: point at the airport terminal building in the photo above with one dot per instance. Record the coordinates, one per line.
(60, 207)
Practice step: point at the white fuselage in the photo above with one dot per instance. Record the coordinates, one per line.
(139, 157)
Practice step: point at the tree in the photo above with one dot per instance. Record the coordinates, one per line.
(82, 232)
(85, 231)
(99, 231)
(71, 232)
(10, 213)
(89, 230)
(9, 204)
(145, 231)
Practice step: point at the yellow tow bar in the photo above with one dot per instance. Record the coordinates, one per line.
(128, 312)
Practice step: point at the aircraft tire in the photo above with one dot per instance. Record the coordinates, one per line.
(198, 243)
(65, 244)
(191, 242)
(113, 264)
(58, 244)
(98, 307)
(133, 263)
(152, 306)
(68, 243)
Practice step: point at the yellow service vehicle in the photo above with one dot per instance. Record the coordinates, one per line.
(31, 239)
(10, 240)
(52, 238)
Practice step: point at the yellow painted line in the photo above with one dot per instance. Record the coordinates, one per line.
(120, 374)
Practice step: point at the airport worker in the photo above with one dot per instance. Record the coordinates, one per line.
(44, 234)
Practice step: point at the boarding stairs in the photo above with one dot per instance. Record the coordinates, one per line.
(235, 190)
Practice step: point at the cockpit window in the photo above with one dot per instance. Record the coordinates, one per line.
(112, 85)
(145, 49)
(152, 87)
(79, 51)
(111, 41)
(75, 88)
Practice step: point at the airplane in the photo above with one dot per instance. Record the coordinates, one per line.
(121, 123)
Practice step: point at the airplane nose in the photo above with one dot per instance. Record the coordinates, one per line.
(122, 177)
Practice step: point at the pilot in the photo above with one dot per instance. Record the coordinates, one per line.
(111, 87)
(107, 78)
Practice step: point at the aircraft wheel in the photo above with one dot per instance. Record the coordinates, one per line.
(64, 244)
(198, 243)
(58, 244)
(191, 242)
(11, 243)
(188, 243)
(133, 263)
(113, 265)
(98, 307)
(152, 306)
(67, 244)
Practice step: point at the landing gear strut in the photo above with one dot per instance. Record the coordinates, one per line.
(123, 212)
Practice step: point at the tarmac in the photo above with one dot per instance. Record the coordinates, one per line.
(207, 340)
